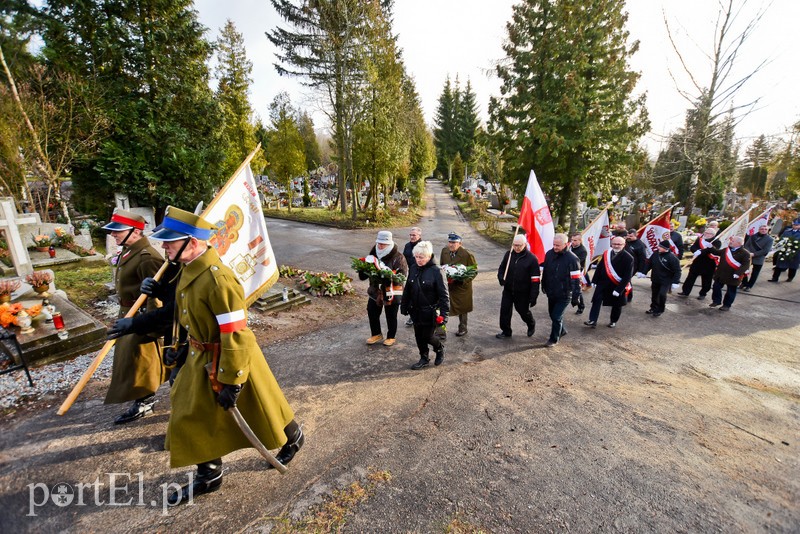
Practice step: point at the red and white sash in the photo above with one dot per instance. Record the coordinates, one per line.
(730, 260)
(703, 244)
(612, 274)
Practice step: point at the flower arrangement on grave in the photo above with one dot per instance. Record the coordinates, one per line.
(39, 278)
(376, 270)
(787, 248)
(9, 286)
(63, 238)
(42, 240)
(9, 313)
(460, 273)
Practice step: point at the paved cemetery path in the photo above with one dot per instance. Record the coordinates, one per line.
(689, 422)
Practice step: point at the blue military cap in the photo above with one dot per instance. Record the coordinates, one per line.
(453, 237)
(179, 224)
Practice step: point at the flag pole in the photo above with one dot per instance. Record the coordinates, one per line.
(659, 215)
(95, 363)
(509, 252)
(592, 260)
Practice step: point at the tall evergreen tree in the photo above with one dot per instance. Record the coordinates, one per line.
(325, 47)
(150, 58)
(233, 84)
(467, 121)
(309, 135)
(445, 131)
(285, 155)
(753, 176)
(566, 107)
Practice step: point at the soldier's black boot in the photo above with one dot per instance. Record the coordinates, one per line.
(138, 409)
(207, 480)
(294, 440)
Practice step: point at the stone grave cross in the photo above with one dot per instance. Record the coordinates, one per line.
(9, 222)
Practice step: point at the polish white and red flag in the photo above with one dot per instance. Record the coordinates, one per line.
(758, 222)
(655, 232)
(535, 219)
(596, 237)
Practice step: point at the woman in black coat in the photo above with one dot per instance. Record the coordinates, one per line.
(426, 299)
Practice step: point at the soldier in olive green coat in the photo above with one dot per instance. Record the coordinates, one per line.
(210, 310)
(137, 370)
(460, 290)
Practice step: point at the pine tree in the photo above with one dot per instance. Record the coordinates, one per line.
(233, 84)
(284, 149)
(445, 131)
(467, 121)
(566, 107)
(150, 58)
(309, 135)
(325, 48)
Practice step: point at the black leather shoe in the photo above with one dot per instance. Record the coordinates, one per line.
(531, 330)
(713, 305)
(136, 411)
(423, 362)
(682, 294)
(746, 289)
(579, 311)
(189, 492)
(502, 335)
(772, 280)
(701, 297)
(290, 448)
(439, 356)
(656, 314)
(590, 323)
(649, 312)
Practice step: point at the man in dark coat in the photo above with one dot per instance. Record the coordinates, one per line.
(577, 248)
(666, 274)
(734, 262)
(703, 265)
(611, 281)
(759, 245)
(519, 275)
(137, 370)
(427, 301)
(460, 290)
(383, 294)
(414, 235)
(636, 248)
(561, 277)
(793, 263)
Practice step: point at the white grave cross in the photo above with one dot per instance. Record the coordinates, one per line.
(9, 222)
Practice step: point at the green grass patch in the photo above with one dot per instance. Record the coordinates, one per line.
(83, 284)
(484, 223)
(338, 219)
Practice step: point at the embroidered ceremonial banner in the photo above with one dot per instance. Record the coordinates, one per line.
(739, 227)
(241, 237)
(535, 219)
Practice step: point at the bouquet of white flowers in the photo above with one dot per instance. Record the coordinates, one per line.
(786, 249)
(460, 273)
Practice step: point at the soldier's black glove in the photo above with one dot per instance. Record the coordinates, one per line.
(227, 397)
(575, 300)
(122, 327)
(173, 357)
(150, 287)
(533, 301)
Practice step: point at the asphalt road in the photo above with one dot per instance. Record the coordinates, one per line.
(688, 422)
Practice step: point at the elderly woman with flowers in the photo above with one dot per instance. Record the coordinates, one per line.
(386, 269)
(427, 300)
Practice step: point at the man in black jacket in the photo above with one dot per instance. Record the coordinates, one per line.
(758, 244)
(520, 286)
(561, 283)
(666, 273)
(612, 282)
(637, 249)
(703, 264)
(577, 248)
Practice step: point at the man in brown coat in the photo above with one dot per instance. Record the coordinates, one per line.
(137, 370)
(460, 290)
